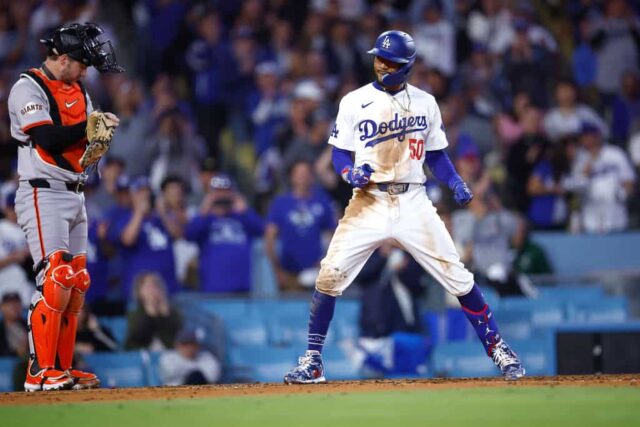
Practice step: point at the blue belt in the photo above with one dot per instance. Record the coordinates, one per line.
(394, 187)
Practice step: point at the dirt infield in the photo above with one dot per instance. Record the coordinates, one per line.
(192, 392)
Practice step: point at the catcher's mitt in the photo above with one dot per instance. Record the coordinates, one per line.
(100, 128)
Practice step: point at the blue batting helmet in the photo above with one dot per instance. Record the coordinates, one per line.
(396, 46)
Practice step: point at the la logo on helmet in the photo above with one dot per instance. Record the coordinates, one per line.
(386, 43)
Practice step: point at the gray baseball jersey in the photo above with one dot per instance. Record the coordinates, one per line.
(36, 100)
(52, 216)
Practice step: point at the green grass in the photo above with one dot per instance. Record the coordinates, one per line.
(494, 407)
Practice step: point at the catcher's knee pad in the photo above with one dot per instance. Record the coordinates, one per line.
(45, 314)
(69, 325)
(57, 281)
(81, 282)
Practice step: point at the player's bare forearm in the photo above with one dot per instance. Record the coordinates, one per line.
(270, 236)
(519, 237)
(535, 187)
(175, 230)
(173, 226)
(323, 169)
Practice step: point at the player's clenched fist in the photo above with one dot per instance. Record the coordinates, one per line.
(461, 193)
(357, 176)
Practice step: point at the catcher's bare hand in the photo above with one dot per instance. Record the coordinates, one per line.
(115, 121)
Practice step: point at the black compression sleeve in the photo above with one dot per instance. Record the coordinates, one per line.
(55, 138)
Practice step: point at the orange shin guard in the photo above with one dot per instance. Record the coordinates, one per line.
(46, 313)
(69, 325)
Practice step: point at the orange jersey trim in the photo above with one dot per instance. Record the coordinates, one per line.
(35, 203)
(36, 124)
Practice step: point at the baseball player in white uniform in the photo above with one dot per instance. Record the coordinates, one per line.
(48, 108)
(603, 175)
(13, 251)
(384, 132)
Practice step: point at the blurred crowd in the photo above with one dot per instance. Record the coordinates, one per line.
(226, 107)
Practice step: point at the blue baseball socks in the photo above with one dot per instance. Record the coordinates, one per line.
(473, 305)
(322, 308)
(479, 314)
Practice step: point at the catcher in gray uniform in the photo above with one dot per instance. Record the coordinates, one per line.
(59, 136)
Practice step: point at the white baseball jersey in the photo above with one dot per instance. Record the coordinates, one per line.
(389, 132)
(12, 277)
(604, 206)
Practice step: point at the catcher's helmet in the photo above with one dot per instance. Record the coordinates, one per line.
(80, 42)
(396, 46)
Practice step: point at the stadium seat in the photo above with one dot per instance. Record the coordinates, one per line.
(462, 359)
(544, 312)
(603, 310)
(346, 320)
(457, 325)
(225, 307)
(287, 321)
(536, 356)
(515, 324)
(291, 329)
(7, 365)
(575, 255)
(343, 329)
(468, 359)
(571, 292)
(118, 327)
(263, 281)
(338, 365)
(123, 369)
(434, 325)
(246, 330)
(261, 363)
(410, 352)
(288, 329)
(151, 360)
(270, 309)
(348, 309)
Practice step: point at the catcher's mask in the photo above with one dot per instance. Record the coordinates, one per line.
(80, 42)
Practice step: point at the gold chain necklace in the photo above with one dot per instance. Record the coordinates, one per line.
(396, 105)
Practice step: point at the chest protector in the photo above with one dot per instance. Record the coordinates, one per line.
(67, 107)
